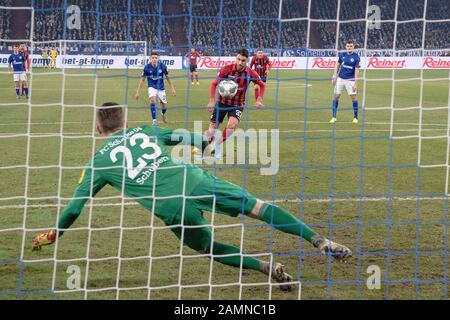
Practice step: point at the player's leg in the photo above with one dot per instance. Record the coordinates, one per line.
(257, 89)
(191, 67)
(152, 94)
(163, 100)
(351, 90)
(211, 131)
(355, 108)
(17, 86)
(337, 94)
(234, 117)
(215, 121)
(335, 107)
(163, 111)
(284, 221)
(16, 79)
(232, 200)
(198, 237)
(23, 79)
(196, 76)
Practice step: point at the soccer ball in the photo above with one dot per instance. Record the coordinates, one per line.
(228, 88)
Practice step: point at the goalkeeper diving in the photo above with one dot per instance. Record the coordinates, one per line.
(135, 161)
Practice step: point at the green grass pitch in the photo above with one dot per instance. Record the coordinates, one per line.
(405, 236)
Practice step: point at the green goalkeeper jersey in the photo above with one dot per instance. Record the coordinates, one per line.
(136, 162)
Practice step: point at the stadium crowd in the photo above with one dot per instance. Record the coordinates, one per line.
(5, 20)
(219, 30)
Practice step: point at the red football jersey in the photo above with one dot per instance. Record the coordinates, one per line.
(242, 78)
(193, 57)
(26, 55)
(261, 65)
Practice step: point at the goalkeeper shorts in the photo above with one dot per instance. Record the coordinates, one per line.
(214, 195)
(218, 196)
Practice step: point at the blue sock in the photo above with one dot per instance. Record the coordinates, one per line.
(163, 110)
(335, 107)
(153, 110)
(18, 91)
(355, 108)
(26, 91)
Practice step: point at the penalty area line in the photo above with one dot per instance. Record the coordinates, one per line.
(297, 200)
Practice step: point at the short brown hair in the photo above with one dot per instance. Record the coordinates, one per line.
(110, 117)
(243, 52)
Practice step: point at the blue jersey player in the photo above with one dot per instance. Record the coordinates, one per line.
(155, 72)
(18, 61)
(348, 67)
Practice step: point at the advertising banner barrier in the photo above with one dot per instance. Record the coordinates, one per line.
(323, 63)
(215, 63)
(99, 62)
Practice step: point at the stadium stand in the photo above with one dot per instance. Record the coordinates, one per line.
(143, 23)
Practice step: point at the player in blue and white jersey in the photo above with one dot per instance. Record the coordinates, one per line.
(155, 72)
(18, 62)
(348, 67)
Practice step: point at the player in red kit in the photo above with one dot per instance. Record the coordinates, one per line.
(240, 73)
(23, 51)
(193, 57)
(260, 63)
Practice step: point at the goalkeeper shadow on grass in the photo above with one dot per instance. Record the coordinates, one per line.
(158, 175)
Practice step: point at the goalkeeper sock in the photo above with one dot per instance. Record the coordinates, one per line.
(235, 261)
(18, 91)
(355, 108)
(153, 110)
(335, 107)
(284, 221)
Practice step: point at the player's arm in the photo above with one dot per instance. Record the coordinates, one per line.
(141, 83)
(28, 63)
(9, 64)
(174, 137)
(252, 62)
(336, 70)
(357, 67)
(256, 79)
(73, 210)
(166, 73)
(267, 66)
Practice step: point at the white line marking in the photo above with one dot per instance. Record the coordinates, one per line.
(249, 121)
(364, 199)
(88, 134)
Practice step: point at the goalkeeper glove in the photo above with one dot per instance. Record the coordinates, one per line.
(43, 239)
